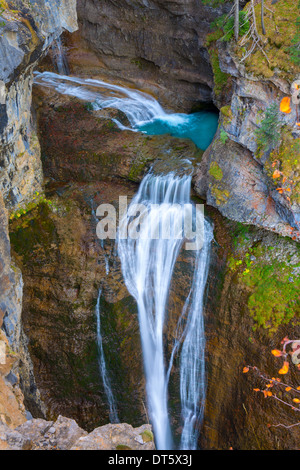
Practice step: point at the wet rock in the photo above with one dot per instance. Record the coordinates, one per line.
(81, 145)
(72, 266)
(158, 46)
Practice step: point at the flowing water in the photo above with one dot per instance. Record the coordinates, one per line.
(113, 415)
(143, 112)
(59, 57)
(148, 262)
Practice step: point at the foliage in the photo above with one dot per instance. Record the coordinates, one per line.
(36, 200)
(2, 23)
(214, 3)
(280, 46)
(228, 27)
(223, 136)
(295, 48)
(274, 387)
(268, 136)
(283, 166)
(220, 78)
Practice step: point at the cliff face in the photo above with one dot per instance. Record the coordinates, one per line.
(155, 44)
(27, 30)
(247, 181)
(159, 46)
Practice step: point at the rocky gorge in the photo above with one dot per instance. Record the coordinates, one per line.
(61, 158)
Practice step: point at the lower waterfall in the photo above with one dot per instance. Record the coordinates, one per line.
(148, 264)
(113, 415)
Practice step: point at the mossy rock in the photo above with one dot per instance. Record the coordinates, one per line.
(216, 171)
(147, 436)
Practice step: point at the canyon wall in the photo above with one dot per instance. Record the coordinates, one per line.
(58, 265)
(158, 46)
(27, 31)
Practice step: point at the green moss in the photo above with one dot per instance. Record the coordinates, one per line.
(272, 275)
(226, 111)
(275, 300)
(281, 29)
(147, 436)
(137, 169)
(216, 171)
(220, 78)
(36, 200)
(221, 196)
(223, 136)
(123, 447)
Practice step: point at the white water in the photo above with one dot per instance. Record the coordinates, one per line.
(113, 415)
(143, 112)
(139, 107)
(59, 57)
(147, 266)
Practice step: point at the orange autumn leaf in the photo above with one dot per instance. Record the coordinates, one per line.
(296, 400)
(276, 174)
(276, 352)
(245, 370)
(256, 390)
(288, 389)
(285, 105)
(285, 339)
(284, 369)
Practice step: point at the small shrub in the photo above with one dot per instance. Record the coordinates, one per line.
(268, 136)
(223, 136)
(244, 26)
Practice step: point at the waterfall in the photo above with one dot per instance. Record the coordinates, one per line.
(148, 265)
(59, 57)
(192, 358)
(142, 110)
(139, 107)
(113, 415)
